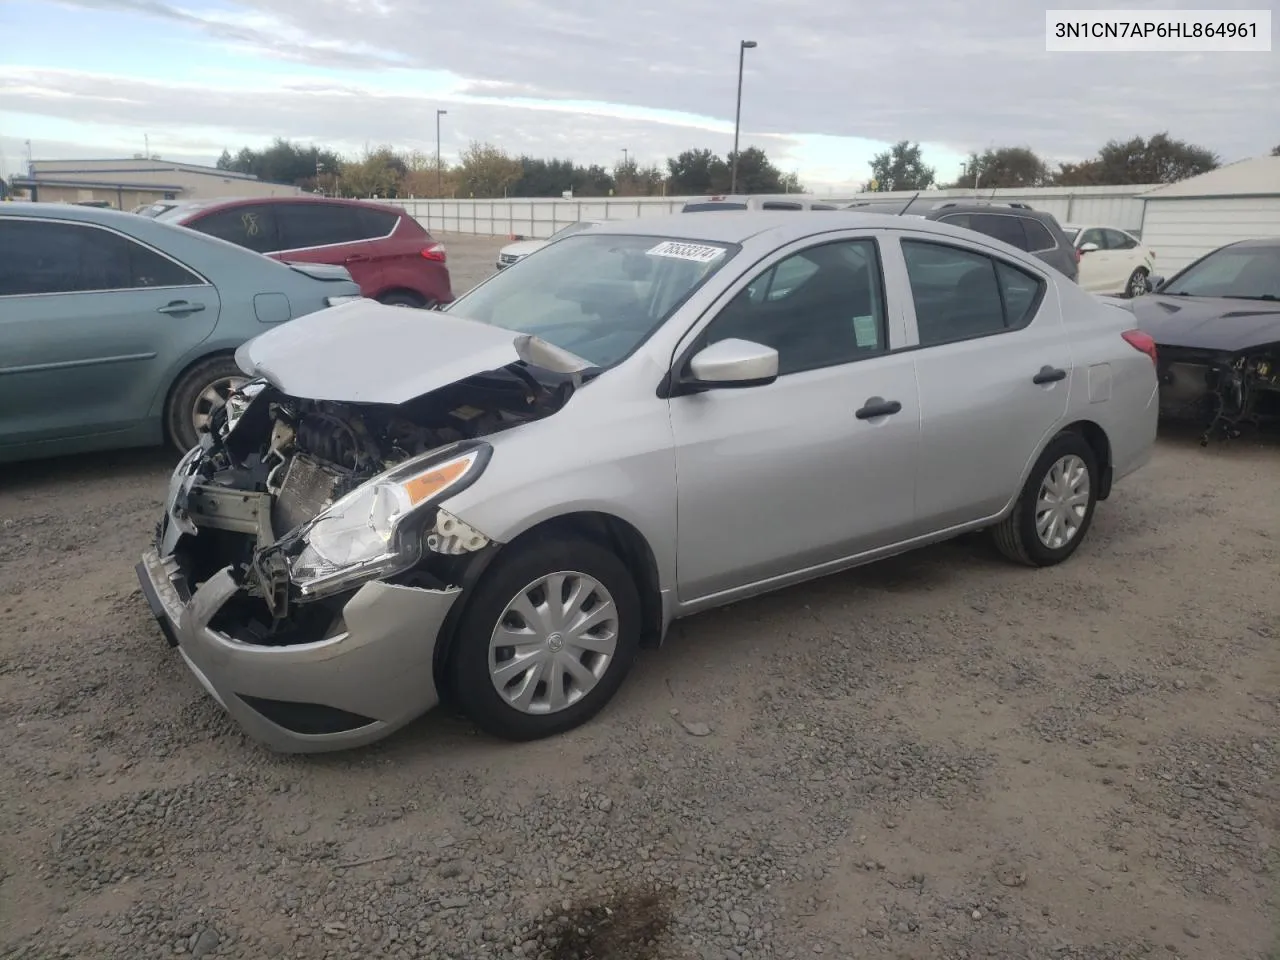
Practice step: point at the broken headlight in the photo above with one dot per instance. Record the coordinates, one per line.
(376, 530)
(238, 401)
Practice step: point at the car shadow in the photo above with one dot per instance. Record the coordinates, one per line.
(143, 465)
(1184, 434)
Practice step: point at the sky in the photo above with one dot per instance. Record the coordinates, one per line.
(828, 86)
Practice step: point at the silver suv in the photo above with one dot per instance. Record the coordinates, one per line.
(777, 201)
(1017, 224)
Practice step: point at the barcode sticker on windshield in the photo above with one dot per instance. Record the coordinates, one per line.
(697, 252)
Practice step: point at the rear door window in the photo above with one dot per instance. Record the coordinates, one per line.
(1008, 229)
(962, 294)
(252, 226)
(309, 224)
(1117, 240)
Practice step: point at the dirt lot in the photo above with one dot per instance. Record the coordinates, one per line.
(938, 756)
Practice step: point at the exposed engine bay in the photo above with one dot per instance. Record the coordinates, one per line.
(1225, 392)
(272, 463)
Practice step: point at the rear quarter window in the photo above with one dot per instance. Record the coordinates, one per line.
(1038, 236)
(375, 224)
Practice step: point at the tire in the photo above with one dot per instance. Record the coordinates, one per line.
(196, 386)
(1016, 536)
(471, 681)
(1137, 281)
(400, 299)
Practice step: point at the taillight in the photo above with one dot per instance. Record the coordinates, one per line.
(1076, 251)
(434, 252)
(1142, 342)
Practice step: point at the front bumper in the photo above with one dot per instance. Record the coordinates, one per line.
(330, 694)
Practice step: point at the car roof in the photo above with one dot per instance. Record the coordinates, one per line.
(738, 226)
(1257, 242)
(187, 207)
(68, 211)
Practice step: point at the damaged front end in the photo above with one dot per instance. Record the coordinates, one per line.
(305, 564)
(1223, 391)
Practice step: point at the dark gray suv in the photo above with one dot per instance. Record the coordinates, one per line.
(1017, 224)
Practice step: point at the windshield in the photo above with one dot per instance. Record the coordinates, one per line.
(1251, 273)
(595, 295)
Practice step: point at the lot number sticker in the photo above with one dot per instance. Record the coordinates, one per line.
(696, 252)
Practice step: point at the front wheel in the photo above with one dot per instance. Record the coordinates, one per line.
(1055, 508)
(194, 398)
(546, 640)
(1137, 284)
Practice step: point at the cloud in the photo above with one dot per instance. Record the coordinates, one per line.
(961, 72)
(581, 78)
(322, 112)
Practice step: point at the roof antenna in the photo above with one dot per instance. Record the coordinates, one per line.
(908, 206)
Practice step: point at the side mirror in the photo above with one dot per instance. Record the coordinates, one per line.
(733, 363)
(1088, 247)
(1154, 283)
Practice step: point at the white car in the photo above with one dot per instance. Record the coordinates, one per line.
(1112, 260)
(522, 248)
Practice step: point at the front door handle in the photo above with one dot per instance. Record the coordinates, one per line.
(180, 306)
(357, 258)
(878, 407)
(1049, 374)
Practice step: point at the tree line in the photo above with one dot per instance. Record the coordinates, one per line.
(1139, 160)
(484, 171)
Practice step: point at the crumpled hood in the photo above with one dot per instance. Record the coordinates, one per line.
(366, 352)
(1207, 323)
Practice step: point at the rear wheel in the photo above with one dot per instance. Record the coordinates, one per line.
(1056, 506)
(194, 398)
(1137, 284)
(546, 640)
(401, 298)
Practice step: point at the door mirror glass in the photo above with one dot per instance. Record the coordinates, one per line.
(1088, 247)
(733, 363)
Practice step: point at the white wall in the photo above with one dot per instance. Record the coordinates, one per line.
(1182, 230)
(1111, 206)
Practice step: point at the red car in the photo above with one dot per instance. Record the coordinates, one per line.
(389, 254)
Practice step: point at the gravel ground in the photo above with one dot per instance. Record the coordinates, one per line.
(938, 756)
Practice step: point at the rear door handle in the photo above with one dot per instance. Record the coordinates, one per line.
(180, 306)
(1049, 374)
(878, 407)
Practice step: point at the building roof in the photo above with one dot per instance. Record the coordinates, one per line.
(52, 181)
(135, 165)
(1259, 176)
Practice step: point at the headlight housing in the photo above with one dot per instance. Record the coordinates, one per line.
(377, 529)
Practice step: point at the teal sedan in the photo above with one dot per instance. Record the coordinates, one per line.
(120, 331)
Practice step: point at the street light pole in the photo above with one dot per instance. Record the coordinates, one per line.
(743, 47)
(624, 156)
(439, 169)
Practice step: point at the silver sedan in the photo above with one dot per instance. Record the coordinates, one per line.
(502, 502)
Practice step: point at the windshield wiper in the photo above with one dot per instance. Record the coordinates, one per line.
(1261, 296)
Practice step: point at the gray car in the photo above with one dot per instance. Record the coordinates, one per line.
(119, 331)
(503, 501)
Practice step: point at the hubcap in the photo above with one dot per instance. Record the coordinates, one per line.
(1137, 285)
(210, 399)
(1062, 502)
(553, 642)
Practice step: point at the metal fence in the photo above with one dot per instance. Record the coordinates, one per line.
(1121, 207)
